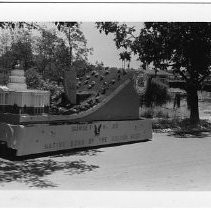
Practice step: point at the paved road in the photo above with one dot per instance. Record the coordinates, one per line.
(165, 163)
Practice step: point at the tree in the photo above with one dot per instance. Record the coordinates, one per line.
(184, 47)
(57, 53)
(14, 25)
(33, 79)
(72, 47)
(75, 40)
(5, 42)
(23, 51)
(81, 67)
(45, 49)
(77, 46)
(122, 58)
(128, 58)
(17, 46)
(7, 60)
(125, 56)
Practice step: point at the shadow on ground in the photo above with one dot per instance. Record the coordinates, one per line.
(190, 134)
(33, 172)
(85, 152)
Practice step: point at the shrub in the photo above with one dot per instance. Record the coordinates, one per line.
(165, 123)
(156, 94)
(161, 114)
(33, 79)
(148, 113)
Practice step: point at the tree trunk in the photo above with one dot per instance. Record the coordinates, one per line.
(193, 104)
(70, 47)
(70, 85)
(70, 76)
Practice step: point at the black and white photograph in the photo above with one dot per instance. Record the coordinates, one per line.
(105, 105)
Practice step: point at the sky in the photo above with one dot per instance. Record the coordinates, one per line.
(104, 46)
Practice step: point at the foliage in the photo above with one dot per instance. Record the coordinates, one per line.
(33, 79)
(49, 52)
(16, 47)
(75, 40)
(161, 114)
(166, 123)
(55, 90)
(22, 51)
(5, 42)
(81, 67)
(59, 54)
(148, 113)
(125, 56)
(123, 35)
(59, 25)
(154, 113)
(13, 25)
(45, 49)
(156, 93)
(33, 25)
(7, 60)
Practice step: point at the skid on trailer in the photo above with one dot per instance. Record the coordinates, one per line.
(42, 138)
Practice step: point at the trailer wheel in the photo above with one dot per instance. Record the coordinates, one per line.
(3, 147)
(6, 152)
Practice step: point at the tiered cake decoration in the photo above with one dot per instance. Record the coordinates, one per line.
(17, 80)
(17, 99)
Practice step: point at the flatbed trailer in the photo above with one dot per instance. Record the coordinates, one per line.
(42, 138)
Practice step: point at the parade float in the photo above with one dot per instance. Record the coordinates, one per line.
(105, 111)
